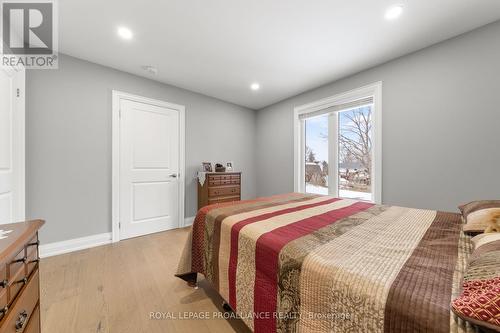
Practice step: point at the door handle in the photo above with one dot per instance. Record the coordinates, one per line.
(174, 175)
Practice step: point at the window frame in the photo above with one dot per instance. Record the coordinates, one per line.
(373, 90)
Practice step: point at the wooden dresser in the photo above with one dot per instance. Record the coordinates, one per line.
(219, 187)
(19, 285)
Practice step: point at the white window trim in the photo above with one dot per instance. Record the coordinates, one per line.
(374, 90)
(116, 97)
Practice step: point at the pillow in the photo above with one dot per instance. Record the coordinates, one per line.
(479, 215)
(485, 239)
(479, 302)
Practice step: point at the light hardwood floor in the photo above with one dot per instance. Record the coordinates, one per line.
(113, 288)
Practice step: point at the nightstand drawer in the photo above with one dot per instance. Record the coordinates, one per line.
(221, 191)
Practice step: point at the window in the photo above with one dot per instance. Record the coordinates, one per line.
(316, 154)
(338, 145)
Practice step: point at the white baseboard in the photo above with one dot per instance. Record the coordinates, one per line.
(76, 244)
(53, 249)
(188, 221)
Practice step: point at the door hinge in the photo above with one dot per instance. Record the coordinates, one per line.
(119, 225)
(18, 92)
(120, 113)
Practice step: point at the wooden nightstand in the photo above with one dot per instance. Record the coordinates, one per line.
(219, 187)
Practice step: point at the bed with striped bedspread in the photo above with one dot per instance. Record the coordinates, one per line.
(306, 263)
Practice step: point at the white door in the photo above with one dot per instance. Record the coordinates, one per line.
(11, 145)
(149, 168)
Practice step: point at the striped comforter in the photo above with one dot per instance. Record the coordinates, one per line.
(304, 263)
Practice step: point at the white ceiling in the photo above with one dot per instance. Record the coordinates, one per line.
(220, 47)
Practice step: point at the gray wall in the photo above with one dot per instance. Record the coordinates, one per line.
(68, 143)
(441, 125)
(441, 116)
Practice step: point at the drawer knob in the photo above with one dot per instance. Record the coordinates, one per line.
(4, 283)
(21, 320)
(4, 310)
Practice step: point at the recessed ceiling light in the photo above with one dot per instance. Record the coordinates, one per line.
(393, 12)
(125, 33)
(255, 86)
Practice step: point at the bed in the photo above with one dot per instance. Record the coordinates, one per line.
(310, 263)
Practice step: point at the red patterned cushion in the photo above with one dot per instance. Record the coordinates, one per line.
(480, 302)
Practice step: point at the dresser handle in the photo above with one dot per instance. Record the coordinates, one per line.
(21, 320)
(23, 260)
(37, 243)
(23, 280)
(4, 283)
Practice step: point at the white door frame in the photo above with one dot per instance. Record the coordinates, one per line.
(374, 90)
(117, 96)
(18, 137)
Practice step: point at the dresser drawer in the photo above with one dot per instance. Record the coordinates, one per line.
(220, 182)
(16, 275)
(3, 276)
(33, 325)
(32, 243)
(16, 265)
(221, 191)
(213, 177)
(3, 289)
(3, 303)
(223, 199)
(225, 177)
(15, 286)
(20, 314)
(32, 259)
(214, 182)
